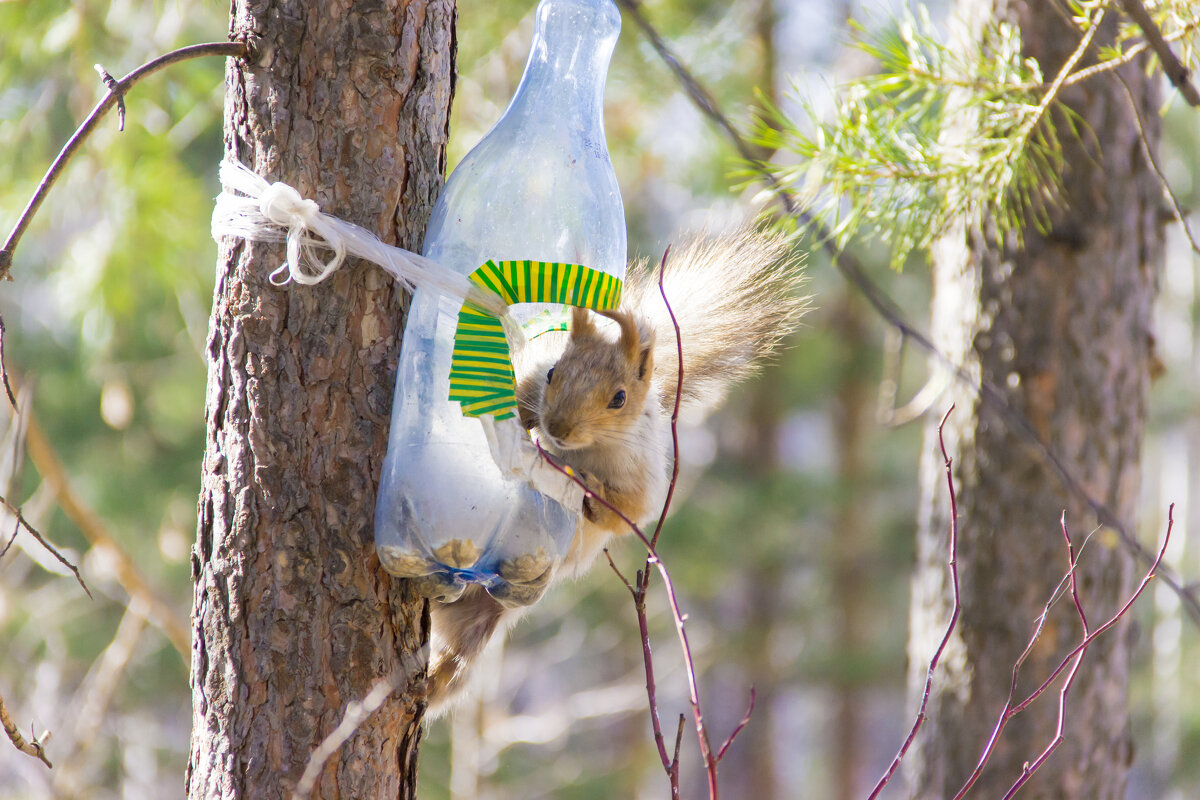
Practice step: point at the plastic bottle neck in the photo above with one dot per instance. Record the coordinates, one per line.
(572, 44)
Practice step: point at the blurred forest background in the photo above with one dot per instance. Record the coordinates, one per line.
(792, 548)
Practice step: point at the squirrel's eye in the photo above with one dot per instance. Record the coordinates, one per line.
(549, 374)
(618, 399)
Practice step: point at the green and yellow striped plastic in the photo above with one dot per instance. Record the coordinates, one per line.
(481, 371)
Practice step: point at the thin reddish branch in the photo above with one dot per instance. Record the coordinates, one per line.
(710, 760)
(620, 574)
(1072, 563)
(1007, 713)
(1069, 663)
(1078, 653)
(1111, 621)
(662, 271)
(639, 588)
(13, 538)
(12, 400)
(937, 655)
(671, 765)
(745, 721)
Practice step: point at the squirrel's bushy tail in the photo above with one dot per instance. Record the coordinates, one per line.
(461, 630)
(733, 296)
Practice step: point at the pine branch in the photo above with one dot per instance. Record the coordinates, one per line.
(1176, 72)
(888, 310)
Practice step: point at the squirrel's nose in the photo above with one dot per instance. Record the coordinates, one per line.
(559, 429)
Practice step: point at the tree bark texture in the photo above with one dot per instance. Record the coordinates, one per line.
(1062, 326)
(293, 616)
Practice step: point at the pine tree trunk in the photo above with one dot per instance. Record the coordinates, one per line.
(1063, 327)
(293, 616)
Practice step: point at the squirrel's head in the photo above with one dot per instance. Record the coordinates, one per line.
(598, 388)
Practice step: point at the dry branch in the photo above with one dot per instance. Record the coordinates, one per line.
(44, 542)
(34, 747)
(1148, 151)
(937, 654)
(1069, 663)
(11, 539)
(114, 96)
(1175, 71)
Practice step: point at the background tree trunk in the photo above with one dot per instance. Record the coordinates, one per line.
(293, 616)
(1063, 327)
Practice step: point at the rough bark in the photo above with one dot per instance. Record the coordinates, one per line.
(1063, 327)
(293, 616)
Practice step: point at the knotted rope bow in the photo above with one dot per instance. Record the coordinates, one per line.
(254, 209)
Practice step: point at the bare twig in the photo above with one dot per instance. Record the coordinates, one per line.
(1174, 69)
(620, 574)
(887, 309)
(1148, 151)
(1007, 712)
(745, 721)
(115, 88)
(662, 271)
(44, 542)
(1069, 663)
(158, 610)
(12, 401)
(13, 538)
(937, 654)
(677, 615)
(34, 747)
(1030, 768)
(116, 92)
(638, 589)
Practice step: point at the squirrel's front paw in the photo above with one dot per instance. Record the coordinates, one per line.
(593, 510)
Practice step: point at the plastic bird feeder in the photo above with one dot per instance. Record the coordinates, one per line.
(533, 213)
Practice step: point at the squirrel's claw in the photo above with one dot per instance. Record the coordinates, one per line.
(592, 511)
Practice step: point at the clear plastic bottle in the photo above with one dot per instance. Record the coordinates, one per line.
(539, 186)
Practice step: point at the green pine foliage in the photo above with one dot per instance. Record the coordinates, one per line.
(942, 134)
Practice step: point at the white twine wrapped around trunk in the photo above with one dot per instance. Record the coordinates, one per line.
(250, 208)
(253, 209)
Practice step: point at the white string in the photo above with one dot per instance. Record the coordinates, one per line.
(255, 210)
(251, 208)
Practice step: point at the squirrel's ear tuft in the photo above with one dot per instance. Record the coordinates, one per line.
(581, 323)
(646, 347)
(631, 336)
(646, 364)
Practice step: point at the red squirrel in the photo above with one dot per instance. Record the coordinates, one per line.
(602, 403)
